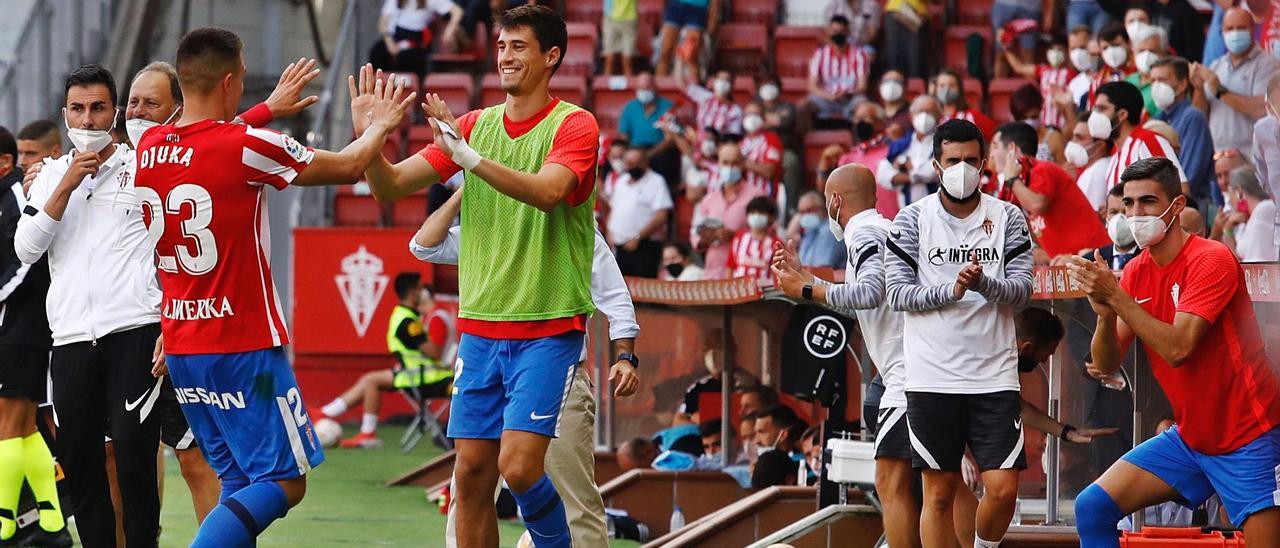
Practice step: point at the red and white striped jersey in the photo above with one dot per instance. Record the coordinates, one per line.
(714, 112)
(1104, 76)
(203, 194)
(764, 147)
(1052, 79)
(1141, 143)
(839, 72)
(750, 256)
(985, 124)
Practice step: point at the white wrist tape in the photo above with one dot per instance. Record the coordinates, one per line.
(465, 156)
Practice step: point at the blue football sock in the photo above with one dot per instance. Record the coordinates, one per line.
(240, 518)
(543, 514)
(231, 485)
(1096, 518)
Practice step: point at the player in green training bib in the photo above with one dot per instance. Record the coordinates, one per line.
(524, 270)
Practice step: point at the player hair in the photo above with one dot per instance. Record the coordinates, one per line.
(762, 204)
(205, 56)
(710, 428)
(1024, 100)
(768, 396)
(1113, 30)
(1158, 169)
(1243, 178)
(1039, 326)
(89, 75)
(773, 467)
(406, 282)
(958, 131)
(1124, 96)
(44, 131)
(782, 416)
(8, 145)
(169, 72)
(1021, 134)
(547, 26)
(1181, 68)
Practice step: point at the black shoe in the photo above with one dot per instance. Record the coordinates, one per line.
(45, 539)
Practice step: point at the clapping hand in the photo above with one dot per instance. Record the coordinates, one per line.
(286, 100)
(969, 277)
(786, 268)
(1096, 280)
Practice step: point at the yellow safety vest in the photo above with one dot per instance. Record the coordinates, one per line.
(416, 369)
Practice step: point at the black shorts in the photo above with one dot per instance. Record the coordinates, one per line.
(24, 373)
(990, 425)
(892, 439)
(174, 430)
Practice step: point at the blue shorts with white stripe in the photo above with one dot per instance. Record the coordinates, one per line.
(512, 384)
(247, 414)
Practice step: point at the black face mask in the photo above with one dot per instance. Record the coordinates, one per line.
(675, 269)
(839, 39)
(864, 131)
(1026, 363)
(636, 173)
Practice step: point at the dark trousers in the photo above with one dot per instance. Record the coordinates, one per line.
(105, 388)
(643, 262)
(412, 59)
(905, 49)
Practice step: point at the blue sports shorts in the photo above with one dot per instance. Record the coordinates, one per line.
(512, 384)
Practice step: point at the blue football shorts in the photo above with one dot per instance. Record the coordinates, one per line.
(512, 384)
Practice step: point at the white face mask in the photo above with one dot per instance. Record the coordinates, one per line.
(709, 361)
(1132, 28)
(1115, 56)
(1149, 230)
(88, 140)
(923, 123)
(708, 148)
(1144, 60)
(769, 92)
(1099, 125)
(757, 221)
(135, 127)
(1081, 59)
(833, 224)
(645, 96)
(810, 221)
(1056, 57)
(722, 87)
(729, 175)
(1118, 229)
(1163, 95)
(890, 90)
(617, 165)
(752, 123)
(959, 180)
(1076, 154)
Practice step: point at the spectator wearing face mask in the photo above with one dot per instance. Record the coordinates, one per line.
(1026, 104)
(1082, 53)
(871, 146)
(1266, 136)
(780, 118)
(864, 19)
(1053, 76)
(722, 212)
(715, 109)
(837, 73)
(1234, 86)
(1090, 157)
(1117, 113)
(761, 152)
(818, 247)
(752, 247)
(1060, 217)
(677, 263)
(1250, 231)
(1224, 162)
(640, 124)
(639, 206)
(1122, 247)
(908, 166)
(948, 87)
(893, 99)
(1171, 90)
(1113, 42)
(1150, 43)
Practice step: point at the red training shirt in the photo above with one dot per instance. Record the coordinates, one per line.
(1069, 224)
(203, 195)
(1225, 394)
(575, 147)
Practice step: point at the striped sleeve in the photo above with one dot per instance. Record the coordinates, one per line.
(815, 65)
(1015, 288)
(866, 258)
(902, 281)
(273, 158)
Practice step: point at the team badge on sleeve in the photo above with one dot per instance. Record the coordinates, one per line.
(293, 147)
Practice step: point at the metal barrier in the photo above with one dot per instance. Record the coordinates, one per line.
(677, 318)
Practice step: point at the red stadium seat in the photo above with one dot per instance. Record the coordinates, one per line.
(409, 211)
(457, 89)
(667, 87)
(793, 47)
(974, 12)
(795, 89)
(584, 12)
(491, 91)
(815, 142)
(744, 89)
(580, 57)
(743, 47)
(998, 96)
(355, 210)
(764, 12)
(569, 88)
(650, 12)
(915, 86)
(419, 137)
(954, 54)
(472, 59)
(608, 98)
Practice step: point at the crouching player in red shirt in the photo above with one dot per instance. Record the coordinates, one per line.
(1185, 298)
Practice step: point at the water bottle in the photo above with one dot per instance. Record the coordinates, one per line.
(1017, 512)
(677, 519)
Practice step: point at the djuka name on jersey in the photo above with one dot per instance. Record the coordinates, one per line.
(198, 309)
(164, 154)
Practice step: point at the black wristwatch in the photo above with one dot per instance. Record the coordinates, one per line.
(635, 362)
(1222, 90)
(807, 292)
